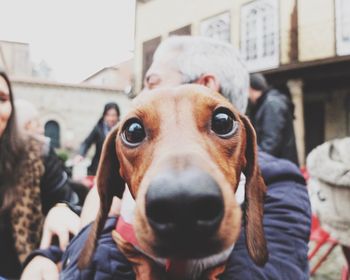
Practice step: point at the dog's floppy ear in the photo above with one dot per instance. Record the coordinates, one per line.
(109, 183)
(254, 199)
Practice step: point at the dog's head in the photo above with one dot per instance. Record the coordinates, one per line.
(181, 152)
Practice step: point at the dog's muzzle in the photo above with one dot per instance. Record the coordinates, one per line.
(185, 209)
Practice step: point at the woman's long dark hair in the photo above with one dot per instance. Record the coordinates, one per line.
(11, 153)
(108, 106)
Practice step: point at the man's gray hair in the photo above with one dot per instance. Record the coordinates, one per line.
(195, 56)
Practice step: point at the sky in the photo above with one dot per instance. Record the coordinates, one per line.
(75, 37)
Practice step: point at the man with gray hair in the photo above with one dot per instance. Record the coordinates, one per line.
(200, 60)
(287, 214)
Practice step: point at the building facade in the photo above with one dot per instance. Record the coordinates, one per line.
(305, 52)
(119, 76)
(14, 58)
(68, 111)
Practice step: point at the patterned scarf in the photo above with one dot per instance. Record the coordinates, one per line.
(26, 215)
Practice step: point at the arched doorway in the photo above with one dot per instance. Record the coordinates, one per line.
(52, 130)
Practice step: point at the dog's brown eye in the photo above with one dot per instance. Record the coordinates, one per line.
(133, 132)
(223, 123)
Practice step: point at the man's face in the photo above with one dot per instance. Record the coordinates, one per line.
(254, 95)
(34, 126)
(162, 73)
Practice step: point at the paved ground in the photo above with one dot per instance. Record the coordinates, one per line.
(331, 268)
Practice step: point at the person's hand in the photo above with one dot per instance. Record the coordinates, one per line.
(40, 268)
(77, 159)
(92, 205)
(60, 221)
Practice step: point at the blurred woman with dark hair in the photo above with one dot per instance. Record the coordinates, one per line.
(98, 134)
(31, 182)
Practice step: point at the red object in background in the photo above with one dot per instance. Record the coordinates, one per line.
(88, 181)
(321, 238)
(305, 173)
(345, 273)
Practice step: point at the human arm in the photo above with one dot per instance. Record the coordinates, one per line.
(287, 229)
(89, 140)
(287, 221)
(92, 205)
(286, 226)
(108, 262)
(41, 268)
(56, 188)
(54, 252)
(62, 221)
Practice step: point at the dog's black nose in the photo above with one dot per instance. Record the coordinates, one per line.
(184, 204)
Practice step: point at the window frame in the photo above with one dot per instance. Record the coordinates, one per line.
(205, 23)
(342, 48)
(260, 62)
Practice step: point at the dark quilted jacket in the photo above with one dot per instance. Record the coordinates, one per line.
(287, 220)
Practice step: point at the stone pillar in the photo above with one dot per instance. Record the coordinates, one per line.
(296, 90)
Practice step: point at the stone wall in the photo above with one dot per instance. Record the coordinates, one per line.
(76, 108)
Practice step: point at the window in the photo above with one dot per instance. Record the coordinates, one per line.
(52, 130)
(259, 34)
(149, 47)
(217, 27)
(342, 15)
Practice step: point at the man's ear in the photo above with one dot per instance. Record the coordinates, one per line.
(210, 81)
(109, 184)
(255, 190)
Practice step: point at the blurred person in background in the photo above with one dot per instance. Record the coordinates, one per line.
(109, 118)
(328, 166)
(271, 113)
(28, 117)
(31, 182)
(28, 122)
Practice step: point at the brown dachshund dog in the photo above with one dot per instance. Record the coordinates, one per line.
(181, 152)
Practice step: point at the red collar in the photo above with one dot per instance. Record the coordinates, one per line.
(126, 231)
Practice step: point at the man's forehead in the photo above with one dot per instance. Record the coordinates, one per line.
(164, 63)
(186, 91)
